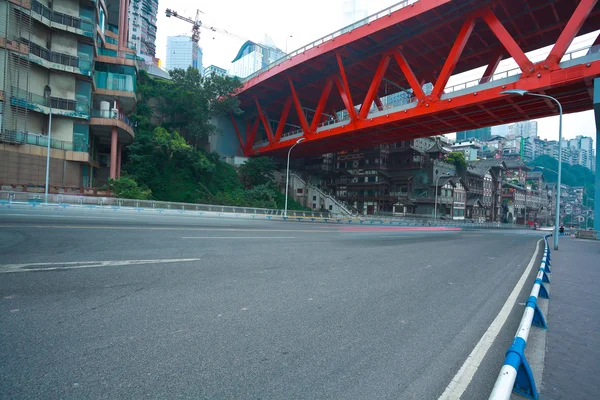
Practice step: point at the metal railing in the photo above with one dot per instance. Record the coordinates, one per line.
(60, 18)
(36, 139)
(111, 202)
(323, 194)
(113, 81)
(58, 103)
(516, 374)
(365, 21)
(59, 58)
(571, 55)
(112, 114)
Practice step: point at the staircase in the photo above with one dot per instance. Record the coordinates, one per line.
(296, 182)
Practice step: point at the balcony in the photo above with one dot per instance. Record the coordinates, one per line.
(102, 122)
(35, 139)
(110, 56)
(111, 85)
(14, 45)
(61, 21)
(60, 106)
(60, 61)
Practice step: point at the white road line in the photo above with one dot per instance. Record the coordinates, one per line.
(238, 237)
(30, 267)
(465, 374)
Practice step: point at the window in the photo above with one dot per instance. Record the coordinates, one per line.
(314, 198)
(299, 191)
(330, 207)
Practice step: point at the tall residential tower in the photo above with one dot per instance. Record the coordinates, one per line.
(68, 62)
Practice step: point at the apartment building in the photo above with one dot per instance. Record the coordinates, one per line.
(68, 73)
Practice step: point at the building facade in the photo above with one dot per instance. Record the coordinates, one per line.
(142, 27)
(182, 53)
(481, 134)
(252, 57)
(213, 69)
(71, 75)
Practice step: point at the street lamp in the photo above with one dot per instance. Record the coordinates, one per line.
(526, 92)
(287, 175)
(437, 182)
(286, 43)
(47, 94)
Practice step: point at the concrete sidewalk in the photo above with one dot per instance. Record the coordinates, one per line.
(572, 362)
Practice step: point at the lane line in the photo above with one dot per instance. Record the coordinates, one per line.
(463, 377)
(165, 228)
(31, 267)
(238, 237)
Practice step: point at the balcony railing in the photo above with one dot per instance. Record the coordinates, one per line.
(36, 139)
(58, 103)
(112, 28)
(111, 40)
(60, 58)
(61, 18)
(112, 114)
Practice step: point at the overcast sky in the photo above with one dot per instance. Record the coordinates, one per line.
(294, 24)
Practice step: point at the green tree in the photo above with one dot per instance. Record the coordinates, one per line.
(257, 171)
(127, 188)
(457, 159)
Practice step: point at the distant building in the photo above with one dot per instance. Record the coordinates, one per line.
(526, 129)
(482, 134)
(252, 57)
(582, 151)
(182, 53)
(469, 148)
(500, 130)
(142, 27)
(213, 69)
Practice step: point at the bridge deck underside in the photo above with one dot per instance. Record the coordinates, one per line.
(425, 35)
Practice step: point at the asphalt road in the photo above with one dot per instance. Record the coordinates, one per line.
(238, 309)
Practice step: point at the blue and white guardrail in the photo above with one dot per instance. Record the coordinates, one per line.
(516, 374)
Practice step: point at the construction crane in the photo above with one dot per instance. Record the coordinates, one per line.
(197, 24)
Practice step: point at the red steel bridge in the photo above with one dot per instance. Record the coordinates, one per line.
(385, 79)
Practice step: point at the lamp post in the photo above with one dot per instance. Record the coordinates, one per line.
(47, 94)
(286, 43)
(287, 175)
(523, 93)
(437, 181)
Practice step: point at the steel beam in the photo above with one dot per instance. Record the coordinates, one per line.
(374, 87)
(299, 109)
(566, 37)
(321, 105)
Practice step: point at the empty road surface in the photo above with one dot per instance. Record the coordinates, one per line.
(104, 304)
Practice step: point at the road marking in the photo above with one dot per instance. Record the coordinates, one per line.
(136, 228)
(30, 267)
(465, 374)
(238, 237)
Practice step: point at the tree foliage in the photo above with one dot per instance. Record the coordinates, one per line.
(166, 162)
(572, 175)
(257, 171)
(457, 159)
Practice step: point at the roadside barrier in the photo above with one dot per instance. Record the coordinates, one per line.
(516, 374)
(164, 207)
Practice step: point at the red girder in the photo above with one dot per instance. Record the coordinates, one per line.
(237, 131)
(566, 37)
(299, 109)
(265, 122)
(283, 119)
(507, 41)
(439, 112)
(374, 88)
(409, 75)
(321, 106)
(344, 88)
(453, 57)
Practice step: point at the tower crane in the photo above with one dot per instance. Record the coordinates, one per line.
(197, 24)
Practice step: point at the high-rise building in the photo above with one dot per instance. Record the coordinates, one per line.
(482, 134)
(582, 148)
(525, 129)
(183, 52)
(500, 130)
(254, 56)
(52, 79)
(213, 69)
(142, 27)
